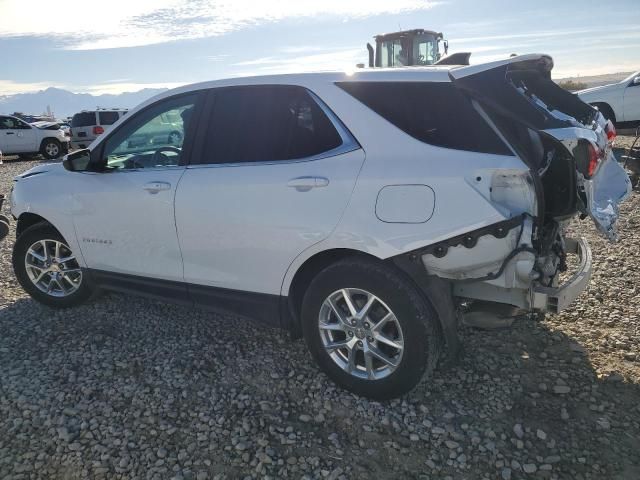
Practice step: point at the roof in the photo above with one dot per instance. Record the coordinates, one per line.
(430, 73)
(404, 33)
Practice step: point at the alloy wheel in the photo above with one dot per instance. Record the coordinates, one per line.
(361, 333)
(52, 268)
(52, 149)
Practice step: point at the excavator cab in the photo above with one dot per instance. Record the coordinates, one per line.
(410, 48)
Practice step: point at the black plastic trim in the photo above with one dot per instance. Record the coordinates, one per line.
(263, 307)
(469, 239)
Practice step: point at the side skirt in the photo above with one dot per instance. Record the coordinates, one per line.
(262, 307)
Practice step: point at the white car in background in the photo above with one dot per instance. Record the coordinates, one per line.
(17, 137)
(362, 211)
(618, 102)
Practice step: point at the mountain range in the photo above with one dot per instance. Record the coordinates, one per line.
(64, 103)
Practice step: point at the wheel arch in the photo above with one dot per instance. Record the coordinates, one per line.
(606, 107)
(305, 274)
(28, 219)
(44, 141)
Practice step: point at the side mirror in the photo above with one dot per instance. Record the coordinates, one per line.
(636, 81)
(77, 161)
(446, 47)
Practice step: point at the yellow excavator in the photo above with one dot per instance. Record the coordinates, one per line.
(413, 48)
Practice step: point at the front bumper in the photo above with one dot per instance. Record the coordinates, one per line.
(556, 299)
(4, 221)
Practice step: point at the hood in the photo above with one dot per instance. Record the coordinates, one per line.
(46, 125)
(38, 170)
(596, 89)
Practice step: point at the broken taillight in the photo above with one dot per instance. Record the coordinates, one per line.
(611, 131)
(595, 155)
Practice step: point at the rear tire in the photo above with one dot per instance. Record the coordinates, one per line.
(34, 254)
(51, 149)
(409, 339)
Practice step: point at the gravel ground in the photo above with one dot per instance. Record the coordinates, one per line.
(129, 388)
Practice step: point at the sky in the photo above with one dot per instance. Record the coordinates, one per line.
(126, 45)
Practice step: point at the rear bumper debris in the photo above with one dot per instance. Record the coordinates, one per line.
(554, 300)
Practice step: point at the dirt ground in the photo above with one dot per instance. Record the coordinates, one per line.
(129, 388)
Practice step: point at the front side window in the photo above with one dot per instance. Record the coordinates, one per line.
(10, 123)
(267, 123)
(147, 140)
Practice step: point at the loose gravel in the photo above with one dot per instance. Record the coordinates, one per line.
(130, 388)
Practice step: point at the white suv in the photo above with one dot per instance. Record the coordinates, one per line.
(88, 125)
(618, 102)
(17, 137)
(361, 211)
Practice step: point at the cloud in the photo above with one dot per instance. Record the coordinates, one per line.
(9, 87)
(126, 23)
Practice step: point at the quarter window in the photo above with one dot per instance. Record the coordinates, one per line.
(107, 118)
(433, 112)
(148, 140)
(267, 123)
(83, 119)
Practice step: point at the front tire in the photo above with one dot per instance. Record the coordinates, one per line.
(369, 328)
(51, 149)
(47, 269)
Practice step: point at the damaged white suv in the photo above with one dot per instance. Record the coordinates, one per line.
(361, 211)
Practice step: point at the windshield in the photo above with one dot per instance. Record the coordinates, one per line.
(631, 77)
(410, 50)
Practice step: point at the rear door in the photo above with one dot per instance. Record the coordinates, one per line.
(276, 171)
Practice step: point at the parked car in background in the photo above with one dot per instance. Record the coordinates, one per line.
(17, 137)
(361, 211)
(88, 125)
(618, 102)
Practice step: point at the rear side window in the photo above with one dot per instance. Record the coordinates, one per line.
(83, 119)
(436, 113)
(267, 123)
(107, 118)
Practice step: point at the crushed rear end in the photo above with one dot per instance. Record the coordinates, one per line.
(567, 146)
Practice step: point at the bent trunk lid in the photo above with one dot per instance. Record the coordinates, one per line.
(520, 90)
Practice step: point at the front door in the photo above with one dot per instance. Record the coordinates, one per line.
(17, 136)
(124, 214)
(276, 173)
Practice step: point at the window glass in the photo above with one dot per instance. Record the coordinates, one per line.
(425, 49)
(83, 119)
(267, 123)
(394, 54)
(147, 140)
(433, 112)
(107, 118)
(9, 123)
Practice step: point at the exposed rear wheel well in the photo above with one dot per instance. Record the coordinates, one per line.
(606, 110)
(307, 272)
(27, 220)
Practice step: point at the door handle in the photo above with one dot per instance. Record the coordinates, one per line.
(11, 133)
(304, 184)
(155, 187)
